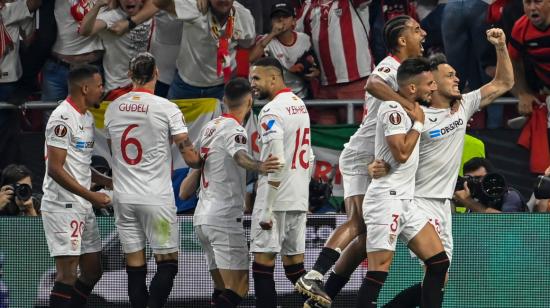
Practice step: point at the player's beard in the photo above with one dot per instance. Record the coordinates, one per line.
(262, 95)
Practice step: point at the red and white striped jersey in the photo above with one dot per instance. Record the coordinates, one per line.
(339, 30)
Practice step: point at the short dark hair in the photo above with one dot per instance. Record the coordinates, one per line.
(393, 29)
(13, 173)
(269, 62)
(437, 59)
(142, 68)
(411, 68)
(476, 163)
(80, 73)
(237, 88)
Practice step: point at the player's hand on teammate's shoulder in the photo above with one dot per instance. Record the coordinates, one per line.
(496, 37)
(417, 114)
(378, 168)
(270, 165)
(99, 199)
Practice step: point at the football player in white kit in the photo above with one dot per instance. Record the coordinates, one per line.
(140, 128)
(442, 141)
(218, 216)
(388, 208)
(279, 215)
(403, 37)
(69, 221)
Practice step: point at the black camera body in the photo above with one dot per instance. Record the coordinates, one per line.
(489, 189)
(542, 187)
(22, 192)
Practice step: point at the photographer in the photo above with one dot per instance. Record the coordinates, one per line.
(16, 197)
(485, 191)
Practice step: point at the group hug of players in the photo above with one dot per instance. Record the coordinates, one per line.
(399, 171)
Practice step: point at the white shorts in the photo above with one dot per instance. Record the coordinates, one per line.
(355, 184)
(224, 247)
(389, 219)
(71, 233)
(438, 212)
(136, 223)
(287, 236)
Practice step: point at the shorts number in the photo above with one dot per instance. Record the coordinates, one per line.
(77, 228)
(305, 141)
(124, 142)
(395, 222)
(204, 156)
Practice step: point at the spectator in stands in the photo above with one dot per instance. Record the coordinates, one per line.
(13, 14)
(529, 51)
(291, 48)
(475, 170)
(119, 50)
(339, 30)
(16, 197)
(69, 49)
(207, 52)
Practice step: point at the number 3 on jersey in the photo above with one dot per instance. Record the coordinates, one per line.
(300, 145)
(124, 142)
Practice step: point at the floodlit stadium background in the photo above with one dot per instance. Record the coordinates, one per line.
(500, 260)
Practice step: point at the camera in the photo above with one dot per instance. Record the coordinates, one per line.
(542, 187)
(489, 189)
(22, 192)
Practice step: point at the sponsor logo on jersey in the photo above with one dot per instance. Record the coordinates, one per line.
(268, 125)
(432, 120)
(395, 118)
(60, 130)
(384, 69)
(64, 118)
(240, 139)
(81, 144)
(447, 129)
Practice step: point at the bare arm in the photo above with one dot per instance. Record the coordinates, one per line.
(246, 161)
(190, 184)
(187, 150)
(33, 5)
(378, 88)
(166, 5)
(90, 25)
(504, 76)
(56, 160)
(147, 12)
(402, 145)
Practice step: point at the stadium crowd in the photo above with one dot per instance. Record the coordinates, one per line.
(133, 51)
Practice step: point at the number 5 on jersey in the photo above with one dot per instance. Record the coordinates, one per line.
(304, 146)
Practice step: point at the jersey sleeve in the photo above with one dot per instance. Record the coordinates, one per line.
(271, 128)
(388, 74)
(236, 140)
(186, 10)
(59, 132)
(471, 102)
(176, 121)
(393, 120)
(15, 12)
(109, 17)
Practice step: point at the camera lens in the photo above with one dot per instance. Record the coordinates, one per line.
(23, 191)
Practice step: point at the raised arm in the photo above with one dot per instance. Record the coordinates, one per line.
(190, 184)
(504, 76)
(378, 88)
(90, 25)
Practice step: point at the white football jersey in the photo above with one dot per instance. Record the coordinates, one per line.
(441, 146)
(399, 183)
(223, 182)
(288, 55)
(359, 150)
(286, 118)
(140, 125)
(73, 131)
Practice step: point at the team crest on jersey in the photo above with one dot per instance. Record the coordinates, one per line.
(395, 118)
(384, 69)
(60, 130)
(240, 139)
